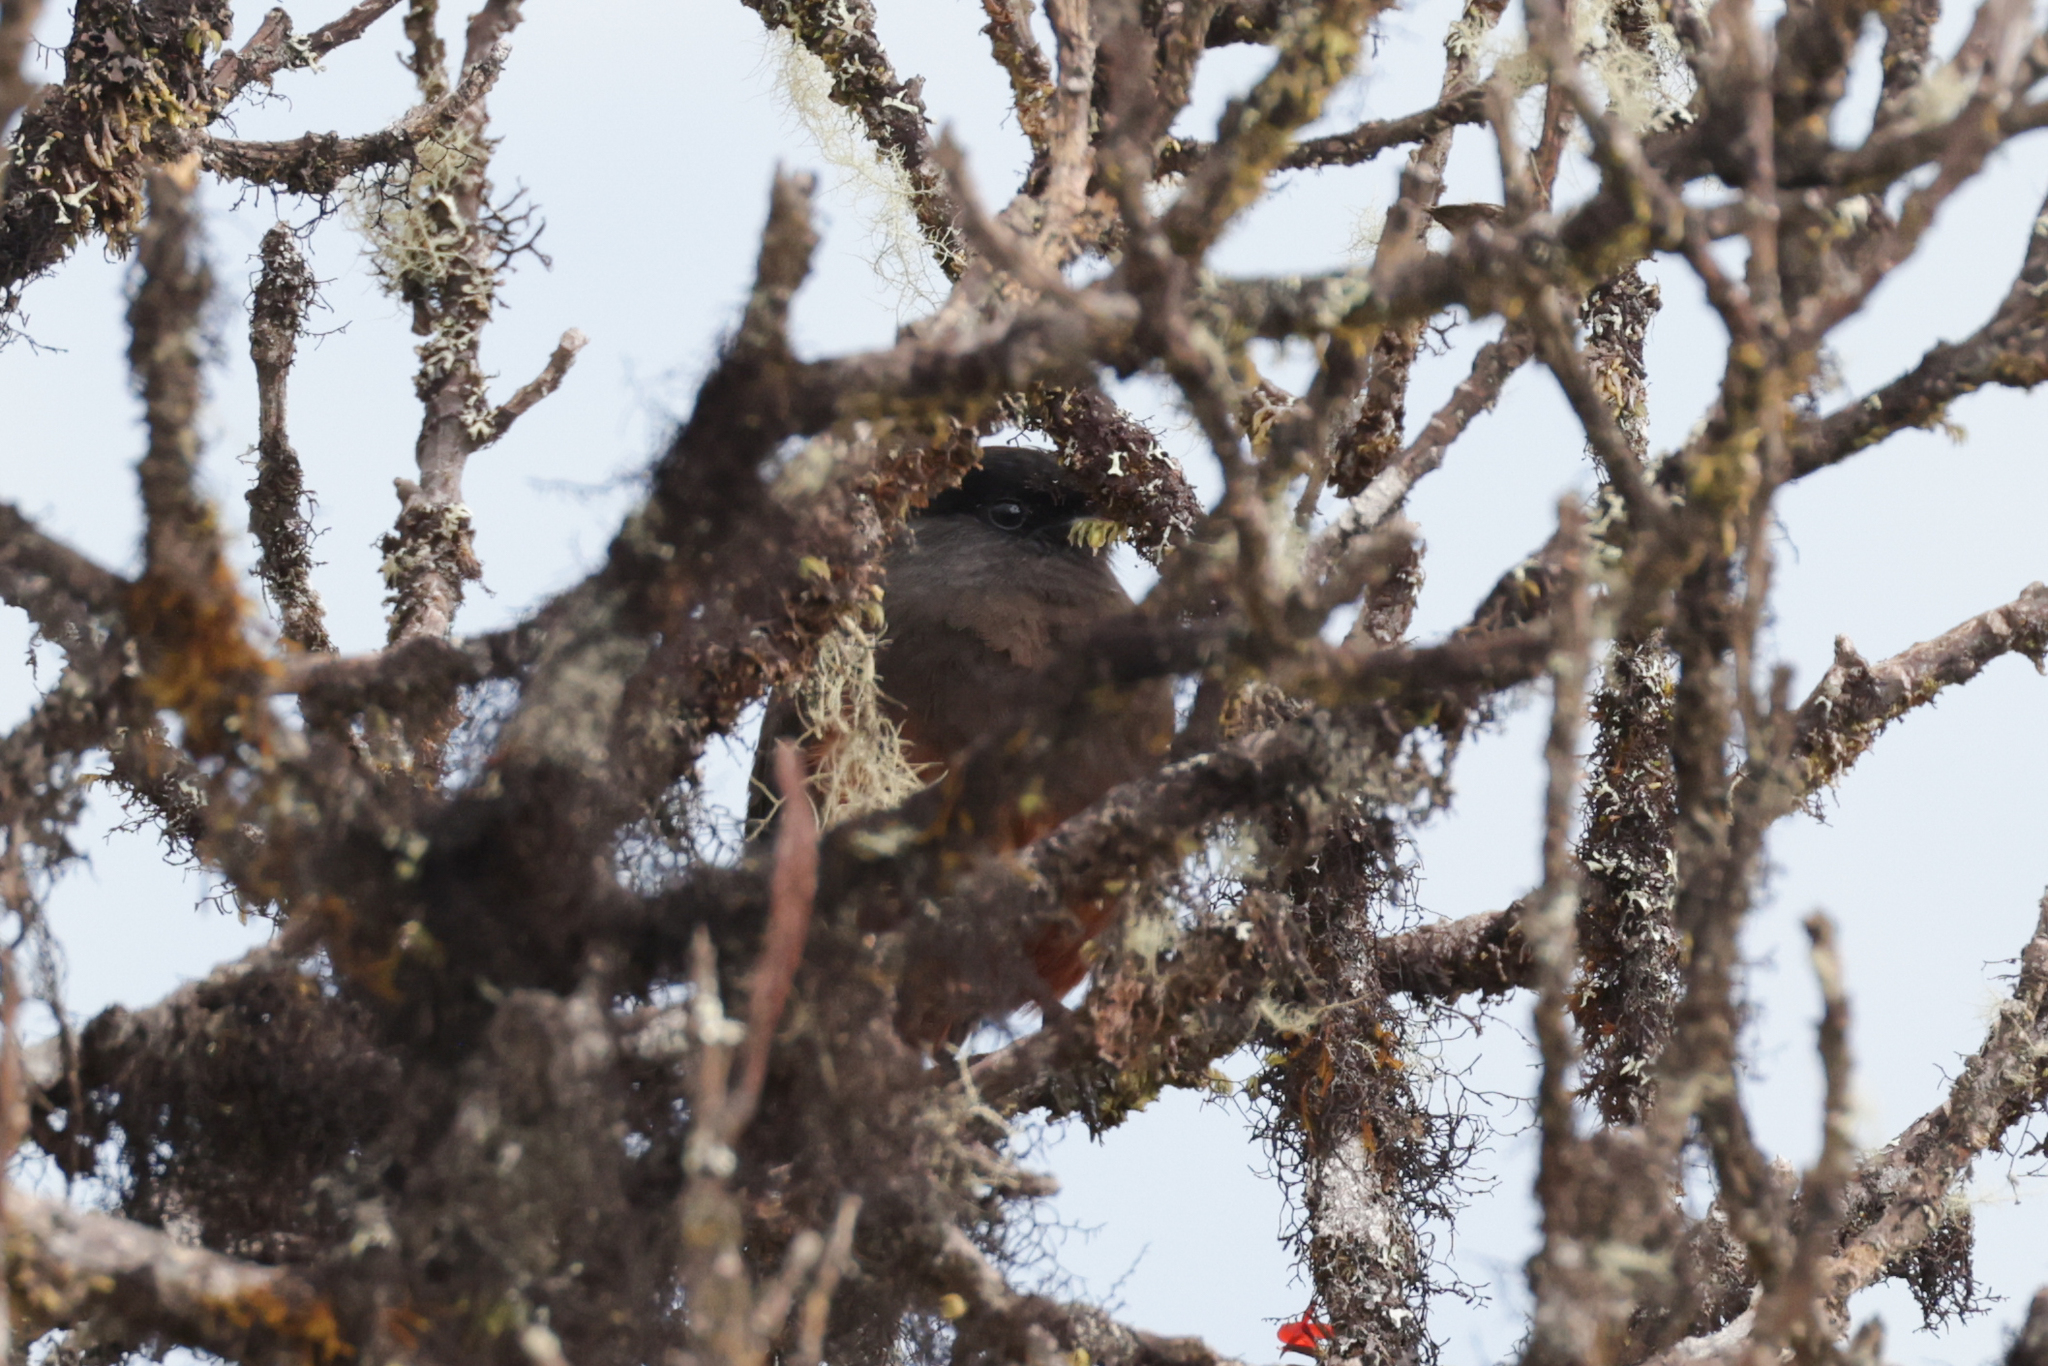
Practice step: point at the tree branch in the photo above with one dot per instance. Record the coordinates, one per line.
(184, 610)
(891, 111)
(1855, 700)
(133, 1285)
(1485, 953)
(318, 163)
(273, 47)
(60, 589)
(1178, 156)
(1903, 1189)
(539, 387)
(277, 501)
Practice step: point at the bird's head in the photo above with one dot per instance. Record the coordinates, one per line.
(1025, 495)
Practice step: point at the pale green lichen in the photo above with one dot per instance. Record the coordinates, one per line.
(1647, 83)
(1096, 533)
(420, 247)
(857, 751)
(1649, 87)
(875, 181)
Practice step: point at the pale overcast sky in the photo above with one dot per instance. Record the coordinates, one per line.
(646, 134)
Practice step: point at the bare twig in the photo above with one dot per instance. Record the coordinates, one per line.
(790, 894)
(274, 47)
(540, 386)
(1360, 144)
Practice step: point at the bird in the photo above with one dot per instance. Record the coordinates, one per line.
(998, 587)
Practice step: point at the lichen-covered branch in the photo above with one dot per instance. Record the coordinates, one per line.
(2010, 349)
(321, 163)
(890, 110)
(1484, 953)
(127, 1285)
(134, 86)
(1900, 1195)
(1856, 700)
(440, 243)
(274, 47)
(185, 610)
(1138, 483)
(60, 589)
(278, 501)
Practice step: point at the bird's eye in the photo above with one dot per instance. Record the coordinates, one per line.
(1006, 516)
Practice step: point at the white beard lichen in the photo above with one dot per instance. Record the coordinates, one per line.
(876, 181)
(856, 751)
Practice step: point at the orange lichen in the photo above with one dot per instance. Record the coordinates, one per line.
(199, 661)
(308, 1322)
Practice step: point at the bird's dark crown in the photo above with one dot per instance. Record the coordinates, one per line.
(1018, 491)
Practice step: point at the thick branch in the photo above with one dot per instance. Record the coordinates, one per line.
(135, 1286)
(184, 610)
(60, 589)
(117, 1034)
(1483, 953)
